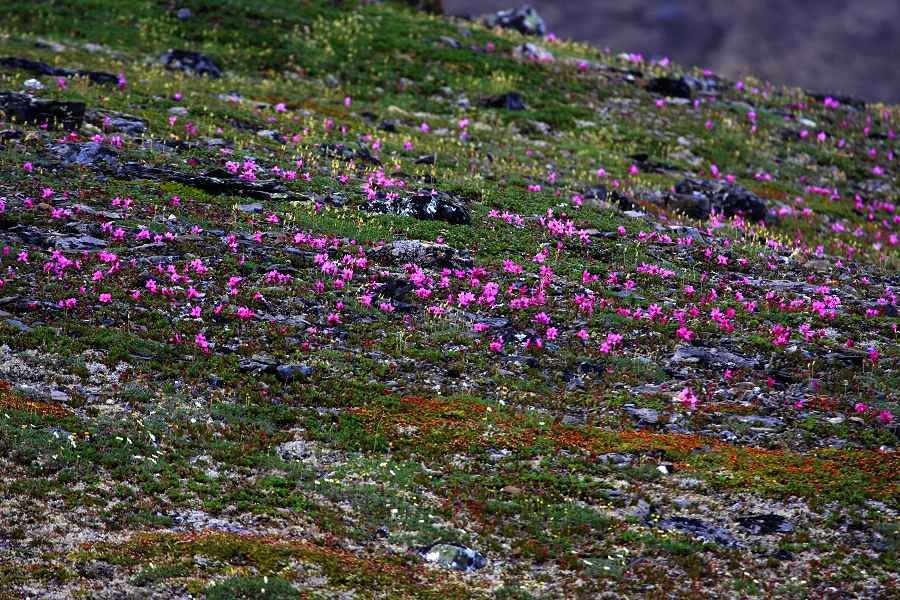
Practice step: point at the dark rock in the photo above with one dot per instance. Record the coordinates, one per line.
(396, 290)
(390, 125)
(648, 165)
(454, 556)
(601, 193)
(88, 154)
(783, 555)
(116, 121)
(336, 199)
(669, 86)
(855, 359)
(701, 530)
(26, 109)
(699, 198)
(592, 367)
(292, 372)
(435, 7)
(39, 68)
(525, 20)
(428, 159)
(426, 254)
(847, 100)
(190, 62)
(711, 357)
(344, 152)
(11, 134)
(508, 101)
(216, 181)
(424, 205)
(703, 85)
(96, 570)
(765, 524)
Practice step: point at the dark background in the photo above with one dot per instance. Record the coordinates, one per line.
(850, 47)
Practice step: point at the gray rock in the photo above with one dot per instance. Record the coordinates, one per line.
(296, 450)
(759, 421)
(529, 51)
(190, 62)
(616, 459)
(252, 208)
(117, 121)
(88, 154)
(454, 556)
(525, 20)
(59, 396)
(425, 254)
(292, 372)
(426, 205)
(79, 242)
(643, 416)
(711, 357)
(32, 85)
(17, 324)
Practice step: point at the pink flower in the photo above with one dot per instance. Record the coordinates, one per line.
(201, 342)
(860, 407)
(105, 298)
(687, 398)
(885, 416)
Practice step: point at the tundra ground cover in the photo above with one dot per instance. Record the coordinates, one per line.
(394, 308)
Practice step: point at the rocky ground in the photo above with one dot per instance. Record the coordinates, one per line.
(326, 300)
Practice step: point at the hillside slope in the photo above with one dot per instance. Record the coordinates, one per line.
(825, 45)
(312, 299)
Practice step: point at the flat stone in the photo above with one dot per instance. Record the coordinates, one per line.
(711, 357)
(645, 416)
(758, 421)
(17, 324)
(292, 372)
(701, 530)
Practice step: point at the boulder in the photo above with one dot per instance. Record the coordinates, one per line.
(525, 20)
